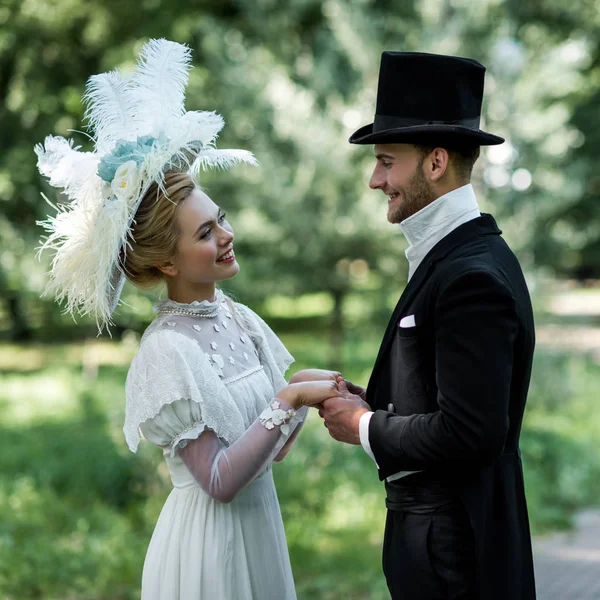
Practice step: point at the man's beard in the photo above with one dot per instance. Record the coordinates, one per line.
(414, 196)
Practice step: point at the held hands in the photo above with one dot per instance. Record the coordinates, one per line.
(314, 375)
(341, 403)
(309, 393)
(356, 390)
(342, 414)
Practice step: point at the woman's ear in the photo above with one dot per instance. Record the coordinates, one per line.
(168, 269)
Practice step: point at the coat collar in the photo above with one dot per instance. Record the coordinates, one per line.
(483, 225)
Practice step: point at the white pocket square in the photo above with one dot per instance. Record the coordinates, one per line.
(408, 321)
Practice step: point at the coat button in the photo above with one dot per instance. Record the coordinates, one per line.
(391, 408)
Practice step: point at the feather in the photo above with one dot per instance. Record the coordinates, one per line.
(68, 168)
(108, 112)
(157, 89)
(86, 243)
(221, 159)
(199, 125)
(50, 154)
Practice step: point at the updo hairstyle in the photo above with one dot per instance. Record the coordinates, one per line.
(155, 231)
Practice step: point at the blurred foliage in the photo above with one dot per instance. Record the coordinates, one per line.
(77, 509)
(293, 79)
(559, 439)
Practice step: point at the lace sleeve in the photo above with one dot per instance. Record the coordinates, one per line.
(283, 450)
(223, 471)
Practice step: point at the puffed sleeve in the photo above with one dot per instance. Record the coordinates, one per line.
(173, 394)
(175, 425)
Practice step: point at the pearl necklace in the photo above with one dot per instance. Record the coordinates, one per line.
(203, 313)
(203, 310)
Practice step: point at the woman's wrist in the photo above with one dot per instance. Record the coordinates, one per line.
(277, 414)
(287, 396)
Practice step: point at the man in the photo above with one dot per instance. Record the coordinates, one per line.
(442, 413)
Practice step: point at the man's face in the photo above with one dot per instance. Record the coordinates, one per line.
(399, 174)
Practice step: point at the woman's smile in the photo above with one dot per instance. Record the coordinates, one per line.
(228, 257)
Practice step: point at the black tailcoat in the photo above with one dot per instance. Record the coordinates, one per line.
(458, 381)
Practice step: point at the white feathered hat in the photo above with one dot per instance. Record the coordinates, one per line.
(141, 130)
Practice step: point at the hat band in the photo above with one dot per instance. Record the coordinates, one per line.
(383, 122)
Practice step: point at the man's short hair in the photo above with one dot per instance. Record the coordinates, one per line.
(462, 158)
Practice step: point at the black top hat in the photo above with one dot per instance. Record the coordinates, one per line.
(427, 99)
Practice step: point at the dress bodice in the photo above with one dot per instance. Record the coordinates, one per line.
(216, 328)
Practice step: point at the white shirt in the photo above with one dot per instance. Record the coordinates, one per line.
(423, 231)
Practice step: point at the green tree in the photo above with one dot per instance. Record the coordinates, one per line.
(293, 79)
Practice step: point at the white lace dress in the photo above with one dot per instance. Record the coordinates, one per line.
(201, 387)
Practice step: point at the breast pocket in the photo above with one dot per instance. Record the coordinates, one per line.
(408, 332)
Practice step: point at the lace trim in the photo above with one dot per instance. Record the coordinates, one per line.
(273, 416)
(180, 441)
(243, 375)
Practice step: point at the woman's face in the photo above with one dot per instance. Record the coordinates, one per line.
(205, 247)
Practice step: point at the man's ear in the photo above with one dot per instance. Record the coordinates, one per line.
(168, 269)
(437, 164)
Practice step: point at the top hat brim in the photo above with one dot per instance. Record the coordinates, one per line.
(438, 134)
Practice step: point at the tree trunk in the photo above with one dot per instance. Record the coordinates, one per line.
(336, 331)
(20, 330)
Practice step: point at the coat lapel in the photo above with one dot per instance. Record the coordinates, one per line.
(483, 225)
(414, 285)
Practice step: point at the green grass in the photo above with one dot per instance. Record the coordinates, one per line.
(77, 508)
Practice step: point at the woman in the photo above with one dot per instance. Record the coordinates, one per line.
(207, 382)
(206, 375)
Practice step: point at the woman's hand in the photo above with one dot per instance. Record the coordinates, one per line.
(309, 393)
(314, 375)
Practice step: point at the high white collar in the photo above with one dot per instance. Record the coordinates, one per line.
(427, 227)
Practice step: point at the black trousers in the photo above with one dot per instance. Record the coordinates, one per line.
(429, 555)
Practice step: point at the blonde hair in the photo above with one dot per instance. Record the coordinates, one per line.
(155, 231)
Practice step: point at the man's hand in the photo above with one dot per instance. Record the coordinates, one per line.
(342, 415)
(314, 375)
(356, 389)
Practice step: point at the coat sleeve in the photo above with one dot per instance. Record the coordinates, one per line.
(476, 323)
